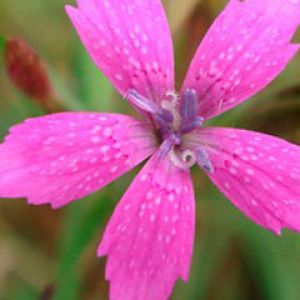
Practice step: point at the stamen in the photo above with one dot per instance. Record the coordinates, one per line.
(141, 102)
(163, 125)
(204, 162)
(188, 112)
(168, 144)
(174, 123)
(165, 148)
(190, 126)
(189, 105)
(162, 116)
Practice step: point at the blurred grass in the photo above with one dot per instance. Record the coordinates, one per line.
(2, 44)
(92, 86)
(79, 228)
(233, 259)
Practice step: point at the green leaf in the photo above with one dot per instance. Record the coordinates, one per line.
(2, 43)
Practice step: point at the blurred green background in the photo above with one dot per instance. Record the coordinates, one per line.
(46, 254)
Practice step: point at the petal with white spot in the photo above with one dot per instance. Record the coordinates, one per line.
(244, 50)
(259, 173)
(62, 157)
(121, 37)
(149, 238)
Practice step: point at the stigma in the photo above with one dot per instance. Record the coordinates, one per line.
(175, 117)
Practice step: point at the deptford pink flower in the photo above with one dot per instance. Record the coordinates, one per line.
(62, 157)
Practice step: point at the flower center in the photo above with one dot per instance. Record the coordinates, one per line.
(174, 118)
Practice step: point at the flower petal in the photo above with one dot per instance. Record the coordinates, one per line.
(123, 42)
(149, 238)
(63, 157)
(259, 173)
(244, 50)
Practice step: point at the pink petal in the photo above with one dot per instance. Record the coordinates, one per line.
(245, 49)
(149, 238)
(123, 40)
(259, 173)
(63, 157)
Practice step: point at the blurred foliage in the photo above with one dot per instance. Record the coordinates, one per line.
(2, 44)
(49, 254)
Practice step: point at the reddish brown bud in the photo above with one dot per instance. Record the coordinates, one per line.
(27, 71)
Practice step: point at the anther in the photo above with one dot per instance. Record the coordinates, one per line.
(142, 102)
(190, 126)
(162, 116)
(189, 105)
(188, 111)
(203, 160)
(169, 143)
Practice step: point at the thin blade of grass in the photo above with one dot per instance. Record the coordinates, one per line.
(81, 224)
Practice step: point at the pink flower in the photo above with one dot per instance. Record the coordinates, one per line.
(62, 157)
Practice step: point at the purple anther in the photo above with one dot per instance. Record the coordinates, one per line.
(166, 115)
(190, 126)
(142, 102)
(188, 111)
(189, 105)
(169, 142)
(203, 161)
(164, 126)
(163, 120)
(175, 138)
(162, 117)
